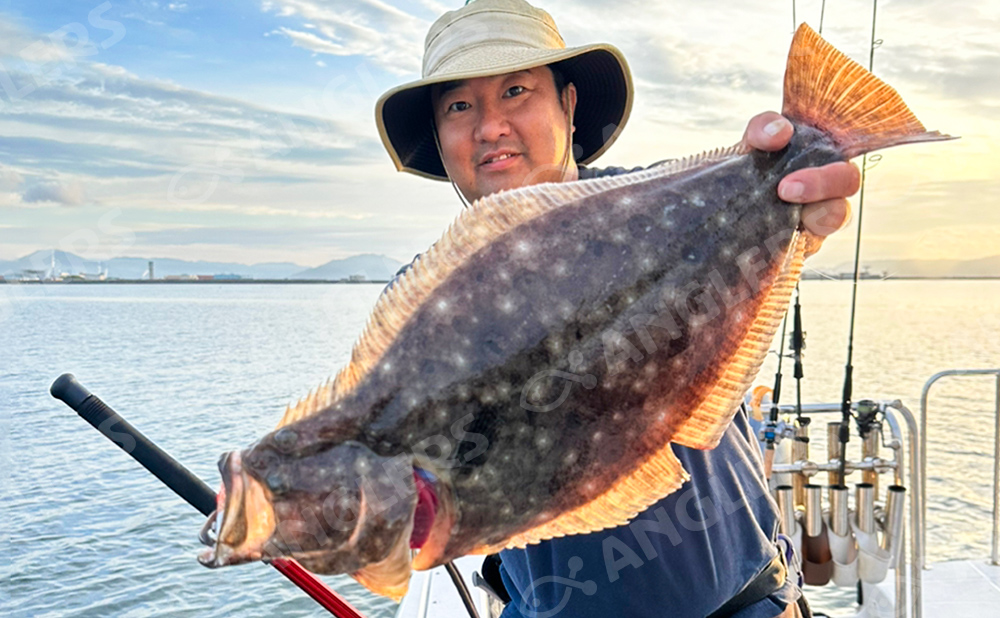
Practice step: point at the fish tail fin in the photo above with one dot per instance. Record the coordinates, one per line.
(827, 90)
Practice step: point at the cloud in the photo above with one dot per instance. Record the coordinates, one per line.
(10, 178)
(68, 194)
(379, 32)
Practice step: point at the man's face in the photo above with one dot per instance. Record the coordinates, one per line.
(505, 131)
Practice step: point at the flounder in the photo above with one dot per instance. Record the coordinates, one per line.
(526, 377)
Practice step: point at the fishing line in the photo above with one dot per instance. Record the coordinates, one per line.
(845, 404)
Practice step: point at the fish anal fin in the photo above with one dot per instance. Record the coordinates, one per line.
(704, 428)
(827, 90)
(657, 477)
(389, 577)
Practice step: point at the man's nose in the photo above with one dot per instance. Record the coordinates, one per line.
(493, 124)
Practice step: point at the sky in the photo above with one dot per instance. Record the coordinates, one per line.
(244, 131)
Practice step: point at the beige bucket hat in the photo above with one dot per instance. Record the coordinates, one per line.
(492, 37)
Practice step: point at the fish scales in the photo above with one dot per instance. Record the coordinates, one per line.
(547, 353)
(465, 350)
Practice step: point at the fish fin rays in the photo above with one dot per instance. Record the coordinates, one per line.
(389, 577)
(659, 476)
(476, 227)
(827, 90)
(704, 428)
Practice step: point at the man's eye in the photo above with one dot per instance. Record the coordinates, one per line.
(513, 91)
(458, 106)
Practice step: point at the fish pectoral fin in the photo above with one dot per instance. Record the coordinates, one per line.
(704, 428)
(389, 577)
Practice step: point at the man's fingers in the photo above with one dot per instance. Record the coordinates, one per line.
(826, 217)
(815, 184)
(769, 131)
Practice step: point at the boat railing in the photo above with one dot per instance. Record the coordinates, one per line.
(914, 457)
(995, 542)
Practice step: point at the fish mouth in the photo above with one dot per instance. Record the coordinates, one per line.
(244, 521)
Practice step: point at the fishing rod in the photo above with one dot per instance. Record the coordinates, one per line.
(771, 428)
(845, 404)
(181, 480)
(798, 344)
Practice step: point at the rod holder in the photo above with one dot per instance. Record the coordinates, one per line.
(800, 452)
(833, 451)
(865, 504)
(839, 520)
(869, 452)
(894, 509)
(786, 507)
(814, 509)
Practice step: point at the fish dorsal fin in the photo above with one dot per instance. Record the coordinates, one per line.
(827, 90)
(704, 428)
(476, 227)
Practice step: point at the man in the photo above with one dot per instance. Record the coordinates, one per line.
(504, 104)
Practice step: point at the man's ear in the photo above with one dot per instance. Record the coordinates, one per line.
(569, 102)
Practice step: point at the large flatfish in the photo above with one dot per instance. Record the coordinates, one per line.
(526, 377)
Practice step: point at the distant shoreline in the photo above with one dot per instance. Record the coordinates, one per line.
(193, 281)
(380, 282)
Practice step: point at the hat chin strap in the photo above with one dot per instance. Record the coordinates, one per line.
(563, 166)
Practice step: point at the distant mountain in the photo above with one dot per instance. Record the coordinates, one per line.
(984, 267)
(370, 266)
(47, 262)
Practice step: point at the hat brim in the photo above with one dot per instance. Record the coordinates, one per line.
(604, 101)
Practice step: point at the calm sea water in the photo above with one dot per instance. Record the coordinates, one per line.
(203, 369)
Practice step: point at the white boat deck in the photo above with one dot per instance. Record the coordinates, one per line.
(955, 589)
(432, 594)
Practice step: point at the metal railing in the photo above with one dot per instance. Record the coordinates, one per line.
(915, 459)
(995, 546)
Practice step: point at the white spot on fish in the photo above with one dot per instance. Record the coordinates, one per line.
(723, 219)
(625, 201)
(661, 417)
(617, 417)
(460, 361)
(570, 458)
(386, 366)
(590, 487)
(560, 268)
(442, 413)
(442, 305)
(507, 305)
(543, 442)
(618, 236)
(697, 200)
(361, 466)
(524, 247)
(677, 362)
(597, 436)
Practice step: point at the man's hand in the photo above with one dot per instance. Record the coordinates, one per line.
(823, 190)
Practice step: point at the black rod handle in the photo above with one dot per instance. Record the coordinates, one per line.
(175, 476)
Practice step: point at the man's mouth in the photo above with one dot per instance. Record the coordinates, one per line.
(496, 160)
